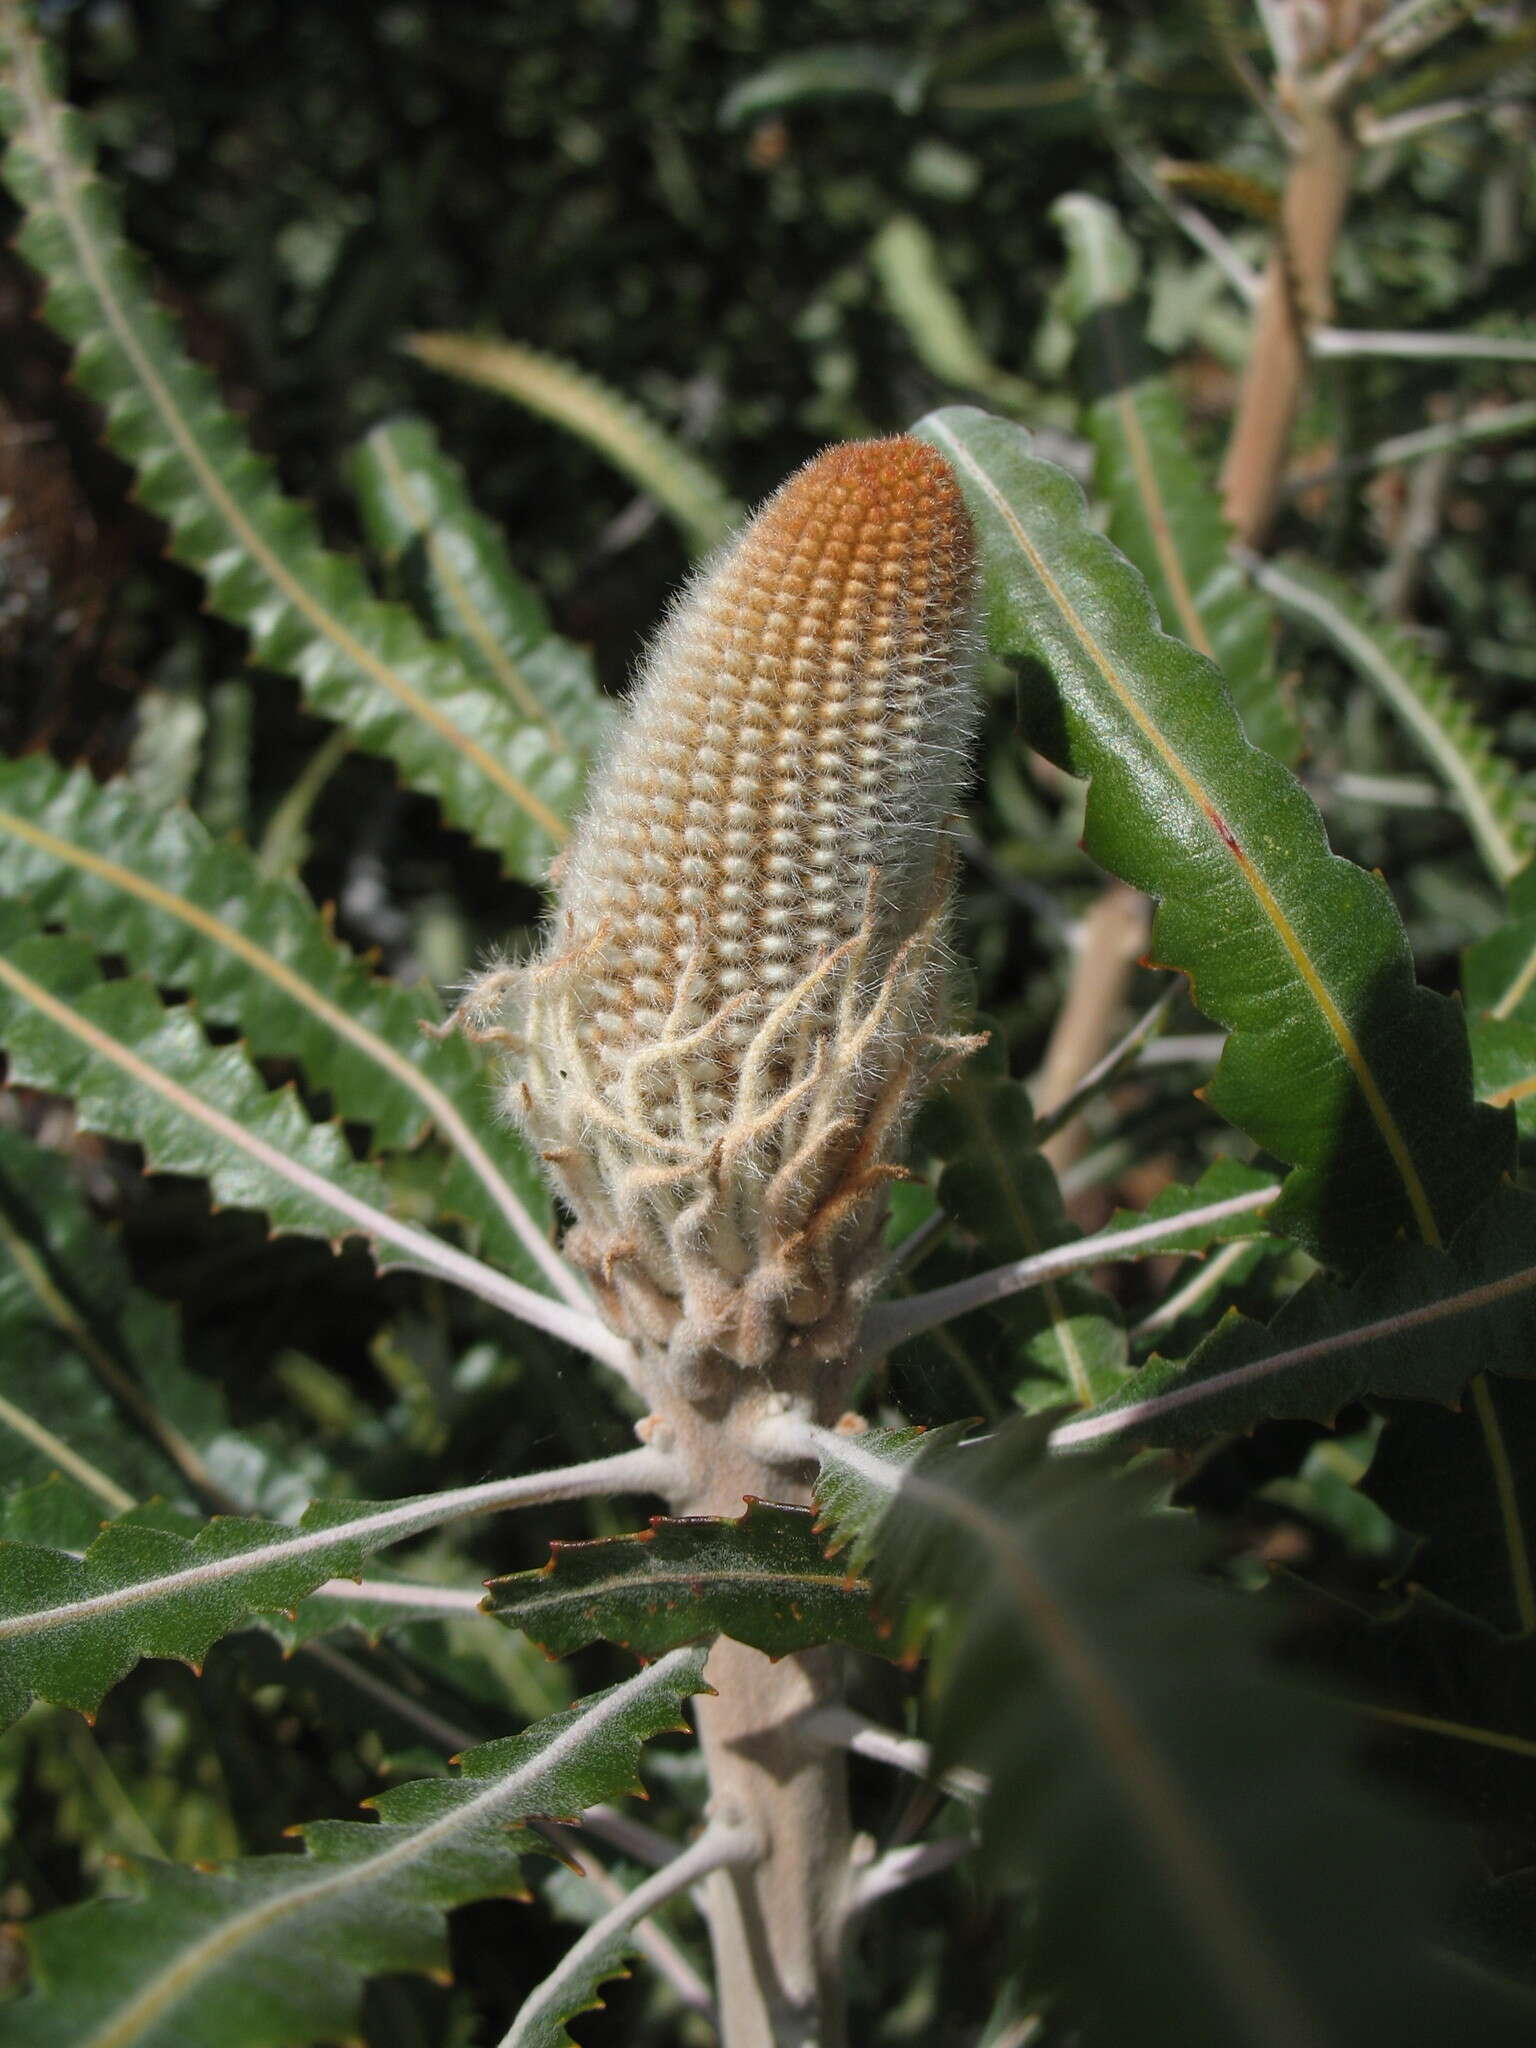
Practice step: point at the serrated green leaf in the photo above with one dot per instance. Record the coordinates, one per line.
(1164, 511)
(1063, 1339)
(1129, 1723)
(573, 1986)
(859, 1480)
(1335, 1060)
(154, 1584)
(760, 1577)
(198, 914)
(1419, 695)
(139, 1071)
(1415, 1325)
(651, 458)
(309, 612)
(272, 1951)
(419, 516)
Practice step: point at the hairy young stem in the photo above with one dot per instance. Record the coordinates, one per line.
(776, 1924)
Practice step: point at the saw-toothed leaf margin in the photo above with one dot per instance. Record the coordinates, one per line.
(152, 888)
(143, 1072)
(273, 1951)
(1414, 1326)
(653, 460)
(421, 520)
(71, 1627)
(309, 611)
(1419, 695)
(760, 1577)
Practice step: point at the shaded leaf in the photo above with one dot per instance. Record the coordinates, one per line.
(1129, 1721)
(1224, 1178)
(1465, 1484)
(93, 1384)
(272, 1951)
(1415, 1325)
(420, 516)
(309, 612)
(1335, 1060)
(761, 1578)
(1063, 1339)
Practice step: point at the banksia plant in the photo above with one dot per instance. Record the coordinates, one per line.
(742, 993)
(739, 1003)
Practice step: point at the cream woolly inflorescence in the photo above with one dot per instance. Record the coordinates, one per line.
(740, 996)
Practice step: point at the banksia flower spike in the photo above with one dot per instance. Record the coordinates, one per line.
(742, 991)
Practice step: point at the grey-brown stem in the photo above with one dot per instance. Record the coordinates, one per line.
(776, 1925)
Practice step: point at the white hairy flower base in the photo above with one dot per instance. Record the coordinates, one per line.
(754, 1235)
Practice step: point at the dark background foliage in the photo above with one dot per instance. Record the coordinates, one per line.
(312, 183)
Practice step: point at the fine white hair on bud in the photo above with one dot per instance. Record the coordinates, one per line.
(741, 993)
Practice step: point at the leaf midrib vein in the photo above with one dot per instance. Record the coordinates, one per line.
(65, 180)
(1322, 997)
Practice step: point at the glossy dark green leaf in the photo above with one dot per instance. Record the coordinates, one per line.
(1335, 1061)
